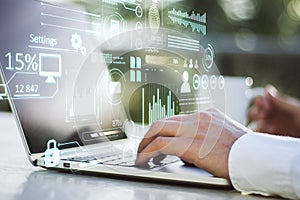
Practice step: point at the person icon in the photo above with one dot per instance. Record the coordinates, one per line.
(191, 65)
(185, 87)
(196, 64)
(185, 64)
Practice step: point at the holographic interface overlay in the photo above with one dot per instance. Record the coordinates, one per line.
(104, 71)
(123, 89)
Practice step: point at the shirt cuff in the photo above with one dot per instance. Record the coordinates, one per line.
(265, 164)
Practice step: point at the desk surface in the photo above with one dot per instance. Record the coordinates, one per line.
(20, 180)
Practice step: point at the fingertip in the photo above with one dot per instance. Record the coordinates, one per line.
(255, 115)
(141, 162)
(142, 165)
(138, 160)
(271, 91)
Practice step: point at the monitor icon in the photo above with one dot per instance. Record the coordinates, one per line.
(50, 66)
(3, 91)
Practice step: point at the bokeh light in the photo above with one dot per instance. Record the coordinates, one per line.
(293, 9)
(245, 39)
(239, 10)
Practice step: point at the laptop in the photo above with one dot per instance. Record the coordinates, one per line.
(86, 80)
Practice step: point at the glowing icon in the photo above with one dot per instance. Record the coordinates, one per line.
(139, 44)
(139, 26)
(185, 64)
(221, 82)
(114, 27)
(135, 69)
(76, 41)
(196, 64)
(83, 51)
(185, 87)
(49, 66)
(191, 64)
(196, 82)
(139, 11)
(213, 82)
(3, 91)
(52, 156)
(208, 58)
(153, 16)
(175, 61)
(204, 82)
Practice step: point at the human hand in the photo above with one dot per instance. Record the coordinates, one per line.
(203, 139)
(275, 114)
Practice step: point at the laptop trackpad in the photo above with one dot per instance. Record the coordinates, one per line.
(181, 168)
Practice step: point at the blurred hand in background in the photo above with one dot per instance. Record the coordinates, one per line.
(274, 113)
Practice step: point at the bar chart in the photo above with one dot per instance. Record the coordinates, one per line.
(158, 108)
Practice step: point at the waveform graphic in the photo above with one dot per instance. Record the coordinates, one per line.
(195, 20)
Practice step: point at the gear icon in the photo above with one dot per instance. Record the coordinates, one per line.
(76, 41)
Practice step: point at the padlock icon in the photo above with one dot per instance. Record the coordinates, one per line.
(52, 156)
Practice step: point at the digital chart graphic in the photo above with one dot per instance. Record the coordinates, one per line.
(195, 21)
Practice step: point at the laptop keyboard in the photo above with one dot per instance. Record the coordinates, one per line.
(119, 158)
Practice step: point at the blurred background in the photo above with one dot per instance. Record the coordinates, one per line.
(256, 38)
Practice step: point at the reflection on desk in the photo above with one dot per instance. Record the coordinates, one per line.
(21, 180)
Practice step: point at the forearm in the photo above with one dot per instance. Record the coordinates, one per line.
(266, 165)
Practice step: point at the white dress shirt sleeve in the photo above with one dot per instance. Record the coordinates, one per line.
(266, 164)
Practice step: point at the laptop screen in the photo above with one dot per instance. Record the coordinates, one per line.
(84, 72)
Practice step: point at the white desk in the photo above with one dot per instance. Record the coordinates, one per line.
(20, 180)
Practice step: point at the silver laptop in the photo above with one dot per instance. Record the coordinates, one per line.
(86, 81)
